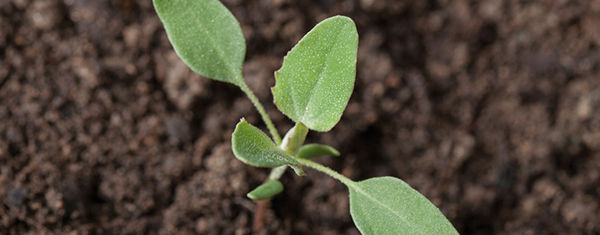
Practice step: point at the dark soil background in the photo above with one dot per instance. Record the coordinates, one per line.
(489, 108)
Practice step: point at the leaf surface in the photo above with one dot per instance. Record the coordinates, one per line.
(253, 147)
(206, 36)
(316, 78)
(266, 190)
(389, 206)
(316, 150)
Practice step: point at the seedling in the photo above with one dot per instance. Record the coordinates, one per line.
(312, 88)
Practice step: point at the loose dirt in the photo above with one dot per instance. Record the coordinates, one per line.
(489, 108)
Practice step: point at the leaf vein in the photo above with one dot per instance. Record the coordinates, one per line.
(218, 49)
(320, 75)
(403, 218)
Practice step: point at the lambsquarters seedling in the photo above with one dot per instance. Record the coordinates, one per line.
(312, 88)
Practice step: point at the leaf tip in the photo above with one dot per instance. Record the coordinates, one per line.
(252, 196)
(298, 170)
(266, 190)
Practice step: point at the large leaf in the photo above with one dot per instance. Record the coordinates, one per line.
(251, 146)
(316, 79)
(387, 205)
(206, 36)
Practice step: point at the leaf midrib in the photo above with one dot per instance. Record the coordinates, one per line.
(320, 75)
(220, 52)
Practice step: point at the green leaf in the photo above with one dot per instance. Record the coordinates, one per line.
(298, 170)
(266, 190)
(253, 147)
(316, 79)
(310, 151)
(387, 205)
(206, 36)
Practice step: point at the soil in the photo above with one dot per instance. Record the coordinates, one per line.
(489, 108)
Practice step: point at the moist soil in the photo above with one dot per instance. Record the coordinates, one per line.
(489, 108)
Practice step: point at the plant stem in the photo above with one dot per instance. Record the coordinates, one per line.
(277, 172)
(292, 140)
(348, 182)
(261, 111)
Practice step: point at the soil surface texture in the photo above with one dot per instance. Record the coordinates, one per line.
(489, 108)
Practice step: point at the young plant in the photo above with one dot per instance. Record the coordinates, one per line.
(312, 88)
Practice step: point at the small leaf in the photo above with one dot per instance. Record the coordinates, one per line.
(298, 170)
(253, 147)
(266, 190)
(206, 36)
(316, 79)
(310, 151)
(387, 205)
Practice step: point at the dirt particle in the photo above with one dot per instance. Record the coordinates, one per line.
(178, 129)
(16, 196)
(44, 14)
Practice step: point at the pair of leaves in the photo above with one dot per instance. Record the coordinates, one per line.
(315, 81)
(253, 147)
(383, 205)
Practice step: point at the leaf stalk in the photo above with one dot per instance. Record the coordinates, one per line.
(261, 110)
(345, 180)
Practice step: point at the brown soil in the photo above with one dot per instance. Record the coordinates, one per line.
(489, 108)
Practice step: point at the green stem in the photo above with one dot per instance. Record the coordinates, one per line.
(261, 111)
(277, 172)
(294, 138)
(348, 182)
(290, 144)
